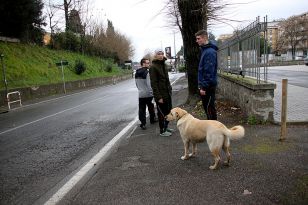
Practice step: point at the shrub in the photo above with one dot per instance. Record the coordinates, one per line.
(182, 69)
(108, 68)
(80, 67)
(67, 40)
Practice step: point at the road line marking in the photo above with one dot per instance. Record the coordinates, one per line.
(29, 123)
(64, 96)
(60, 194)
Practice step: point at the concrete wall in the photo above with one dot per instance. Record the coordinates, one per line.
(256, 100)
(47, 90)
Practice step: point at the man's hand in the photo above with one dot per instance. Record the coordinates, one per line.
(161, 100)
(202, 92)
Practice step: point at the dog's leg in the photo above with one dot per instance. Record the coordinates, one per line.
(194, 150)
(215, 153)
(226, 150)
(186, 150)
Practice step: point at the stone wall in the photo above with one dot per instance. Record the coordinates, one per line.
(256, 100)
(31, 93)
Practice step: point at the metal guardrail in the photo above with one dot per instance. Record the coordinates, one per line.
(9, 102)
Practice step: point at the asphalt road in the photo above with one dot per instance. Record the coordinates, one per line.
(296, 74)
(42, 144)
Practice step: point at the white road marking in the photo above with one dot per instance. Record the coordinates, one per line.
(29, 123)
(56, 198)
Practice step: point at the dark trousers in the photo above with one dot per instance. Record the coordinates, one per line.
(163, 109)
(143, 103)
(208, 102)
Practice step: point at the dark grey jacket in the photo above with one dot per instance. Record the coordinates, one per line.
(143, 83)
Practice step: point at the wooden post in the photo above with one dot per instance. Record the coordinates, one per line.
(284, 97)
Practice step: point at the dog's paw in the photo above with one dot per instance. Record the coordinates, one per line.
(213, 167)
(191, 155)
(184, 157)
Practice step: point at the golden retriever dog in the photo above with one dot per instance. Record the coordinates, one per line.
(193, 130)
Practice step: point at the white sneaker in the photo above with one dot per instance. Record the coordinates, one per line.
(165, 134)
(170, 130)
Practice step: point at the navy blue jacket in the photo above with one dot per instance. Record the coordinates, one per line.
(207, 70)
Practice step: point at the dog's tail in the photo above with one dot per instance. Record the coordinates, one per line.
(236, 132)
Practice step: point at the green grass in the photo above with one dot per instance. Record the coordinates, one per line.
(246, 79)
(30, 65)
(265, 146)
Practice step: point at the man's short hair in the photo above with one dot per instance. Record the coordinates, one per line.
(201, 33)
(143, 61)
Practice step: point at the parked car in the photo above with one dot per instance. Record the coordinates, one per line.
(299, 57)
(306, 61)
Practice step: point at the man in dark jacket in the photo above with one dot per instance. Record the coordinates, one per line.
(145, 93)
(161, 90)
(207, 74)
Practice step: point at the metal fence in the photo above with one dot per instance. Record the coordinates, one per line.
(245, 53)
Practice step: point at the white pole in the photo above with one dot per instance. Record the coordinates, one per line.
(175, 60)
(63, 77)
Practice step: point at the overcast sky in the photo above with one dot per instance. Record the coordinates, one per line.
(140, 21)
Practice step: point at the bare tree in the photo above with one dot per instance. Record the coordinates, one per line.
(51, 13)
(294, 31)
(67, 7)
(118, 43)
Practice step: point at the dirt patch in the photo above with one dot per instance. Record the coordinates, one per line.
(227, 112)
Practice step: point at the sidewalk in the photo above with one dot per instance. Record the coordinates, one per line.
(147, 169)
(297, 105)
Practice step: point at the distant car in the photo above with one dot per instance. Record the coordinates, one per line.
(299, 58)
(306, 61)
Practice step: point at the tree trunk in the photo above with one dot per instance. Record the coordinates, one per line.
(191, 16)
(293, 52)
(66, 5)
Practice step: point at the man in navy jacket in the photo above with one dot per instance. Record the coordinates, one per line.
(207, 73)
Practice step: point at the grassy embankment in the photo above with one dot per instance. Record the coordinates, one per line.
(29, 65)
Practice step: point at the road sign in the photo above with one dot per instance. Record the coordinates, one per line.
(61, 63)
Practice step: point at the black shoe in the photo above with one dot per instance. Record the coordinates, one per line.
(143, 127)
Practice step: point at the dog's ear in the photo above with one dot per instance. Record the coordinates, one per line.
(176, 115)
(181, 112)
